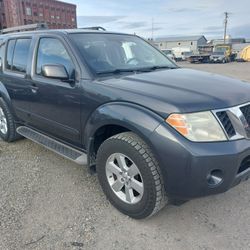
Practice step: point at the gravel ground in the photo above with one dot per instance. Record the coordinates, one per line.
(235, 70)
(47, 202)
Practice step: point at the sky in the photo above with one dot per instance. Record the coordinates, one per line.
(169, 17)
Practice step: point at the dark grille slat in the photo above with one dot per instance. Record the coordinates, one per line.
(226, 122)
(246, 112)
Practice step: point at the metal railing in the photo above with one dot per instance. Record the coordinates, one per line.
(29, 27)
(93, 28)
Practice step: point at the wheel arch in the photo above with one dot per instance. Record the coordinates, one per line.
(6, 97)
(114, 118)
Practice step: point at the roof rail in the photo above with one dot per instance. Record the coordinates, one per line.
(94, 28)
(36, 26)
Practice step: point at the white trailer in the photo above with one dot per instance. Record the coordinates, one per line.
(179, 52)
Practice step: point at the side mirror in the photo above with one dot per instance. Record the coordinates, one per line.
(55, 71)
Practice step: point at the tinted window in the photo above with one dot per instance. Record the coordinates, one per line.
(52, 51)
(21, 54)
(10, 50)
(1, 53)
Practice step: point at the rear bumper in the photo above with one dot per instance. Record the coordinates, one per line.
(187, 166)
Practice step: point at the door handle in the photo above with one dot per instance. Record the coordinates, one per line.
(34, 88)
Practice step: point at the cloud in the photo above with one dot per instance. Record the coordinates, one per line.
(97, 20)
(150, 29)
(132, 25)
(181, 10)
(213, 28)
(240, 31)
(179, 17)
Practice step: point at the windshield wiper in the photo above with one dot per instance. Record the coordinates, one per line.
(135, 70)
(153, 68)
(116, 71)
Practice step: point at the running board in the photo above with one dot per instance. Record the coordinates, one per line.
(53, 145)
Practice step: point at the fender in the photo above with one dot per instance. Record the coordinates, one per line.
(134, 117)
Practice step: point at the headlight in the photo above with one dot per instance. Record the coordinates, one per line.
(199, 127)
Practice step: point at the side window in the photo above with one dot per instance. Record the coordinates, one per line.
(10, 50)
(21, 53)
(1, 54)
(17, 55)
(52, 51)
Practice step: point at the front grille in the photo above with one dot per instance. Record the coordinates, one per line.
(246, 112)
(244, 165)
(226, 123)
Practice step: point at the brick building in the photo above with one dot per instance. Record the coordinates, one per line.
(58, 15)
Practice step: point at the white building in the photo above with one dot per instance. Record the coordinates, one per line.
(192, 42)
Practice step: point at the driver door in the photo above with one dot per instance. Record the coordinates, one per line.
(55, 107)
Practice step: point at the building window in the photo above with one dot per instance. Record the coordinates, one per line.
(28, 11)
(191, 43)
(52, 17)
(57, 17)
(73, 19)
(179, 43)
(40, 14)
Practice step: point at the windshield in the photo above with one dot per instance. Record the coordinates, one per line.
(218, 53)
(220, 49)
(167, 52)
(107, 53)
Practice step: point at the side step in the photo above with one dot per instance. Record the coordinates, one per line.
(53, 145)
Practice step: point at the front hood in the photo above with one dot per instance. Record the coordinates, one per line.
(180, 90)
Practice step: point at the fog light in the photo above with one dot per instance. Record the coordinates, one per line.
(215, 178)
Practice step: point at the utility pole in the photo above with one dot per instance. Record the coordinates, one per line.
(152, 29)
(225, 27)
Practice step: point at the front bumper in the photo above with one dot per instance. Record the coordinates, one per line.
(216, 60)
(186, 166)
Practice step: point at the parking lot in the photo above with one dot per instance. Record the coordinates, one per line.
(47, 202)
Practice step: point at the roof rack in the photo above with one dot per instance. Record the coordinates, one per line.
(94, 28)
(36, 26)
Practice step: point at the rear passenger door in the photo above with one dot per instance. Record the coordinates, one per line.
(14, 77)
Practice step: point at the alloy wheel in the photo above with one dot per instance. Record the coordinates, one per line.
(124, 178)
(3, 123)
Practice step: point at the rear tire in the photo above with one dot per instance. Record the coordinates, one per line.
(130, 176)
(7, 123)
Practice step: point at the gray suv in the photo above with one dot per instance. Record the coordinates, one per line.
(153, 132)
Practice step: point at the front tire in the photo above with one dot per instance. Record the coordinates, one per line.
(7, 123)
(130, 176)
